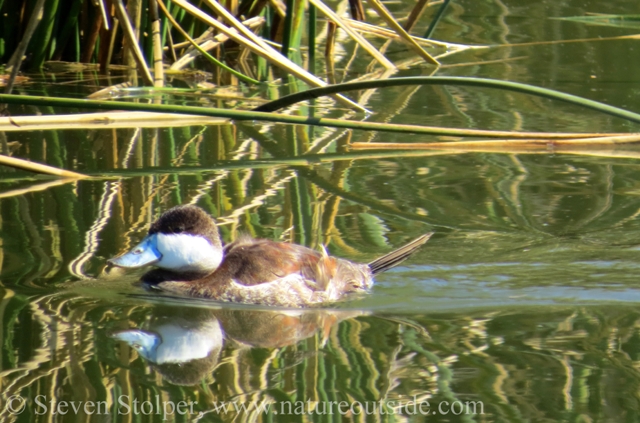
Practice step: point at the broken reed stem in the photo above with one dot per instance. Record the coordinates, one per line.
(206, 44)
(330, 14)
(108, 120)
(242, 35)
(387, 33)
(38, 168)
(402, 34)
(202, 51)
(330, 44)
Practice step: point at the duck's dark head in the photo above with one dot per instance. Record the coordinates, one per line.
(184, 238)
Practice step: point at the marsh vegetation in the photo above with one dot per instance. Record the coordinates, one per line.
(524, 300)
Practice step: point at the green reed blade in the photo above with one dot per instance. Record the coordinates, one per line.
(436, 19)
(16, 58)
(288, 28)
(313, 16)
(164, 22)
(298, 24)
(145, 25)
(42, 38)
(9, 28)
(77, 42)
(55, 154)
(301, 209)
(291, 99)
(268, 13)
(273, 117)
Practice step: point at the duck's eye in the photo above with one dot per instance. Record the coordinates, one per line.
(138, 251)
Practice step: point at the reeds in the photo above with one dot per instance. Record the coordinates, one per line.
(526, 140)
(80, 27)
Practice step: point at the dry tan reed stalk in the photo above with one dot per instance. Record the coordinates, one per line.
(210, 44)
(579, 40)
(329, 50)
(511, 145)
(129, 34)
(112, 43)
(34, 188)
(575, 150)
(244, 53)
(109, 120)
(38, 168)
(103, 13)
(158, 66)
(413, 61)
(248, 39)
(517, 135)
(387, 33)
(483, 62)
(613, 154)
(402, 34)
(278, 7)
(330, 14)
(206, 35)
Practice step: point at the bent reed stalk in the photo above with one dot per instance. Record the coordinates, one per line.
(248, 115)
(313, 93)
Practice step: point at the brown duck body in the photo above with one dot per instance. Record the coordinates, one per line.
(257, 271)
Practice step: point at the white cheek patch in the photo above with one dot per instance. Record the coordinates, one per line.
(180, 344)
(187, 252)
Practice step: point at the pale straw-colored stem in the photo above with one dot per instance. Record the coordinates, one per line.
(38, 168)
(259, 47)
(404, 36)
(353, 34)
(129, 34)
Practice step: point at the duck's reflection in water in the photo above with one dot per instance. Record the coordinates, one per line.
(182, 348)
(186, 348)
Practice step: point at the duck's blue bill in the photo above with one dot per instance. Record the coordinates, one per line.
(143, 254)
(144, 342)
(135, 336)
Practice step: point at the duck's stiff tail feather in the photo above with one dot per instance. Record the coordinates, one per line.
(396, 257)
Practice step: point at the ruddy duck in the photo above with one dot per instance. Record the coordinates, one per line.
(184, 245)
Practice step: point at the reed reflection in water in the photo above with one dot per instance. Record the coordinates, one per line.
(508, 363)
